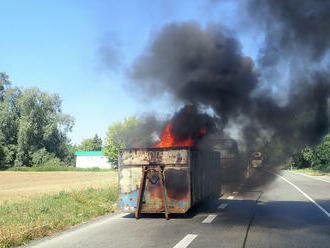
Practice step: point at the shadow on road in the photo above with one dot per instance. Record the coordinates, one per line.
(286, 215)
(208, 206)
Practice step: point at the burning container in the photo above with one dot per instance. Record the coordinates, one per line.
(166, 180)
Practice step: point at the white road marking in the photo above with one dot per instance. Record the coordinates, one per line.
(209, 219)
(186, 241)
(235, 192)
(304, 194)
(310, 176)
(222, 206)
(230, 197)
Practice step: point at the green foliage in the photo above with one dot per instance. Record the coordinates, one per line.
(321, 154)
(70, 158)
(94, 144)
(32, 125)
(317, 158)
(41, 157)
(303, 159)
(4, 83)
(123, 135)
(2, 157)
(37, 217)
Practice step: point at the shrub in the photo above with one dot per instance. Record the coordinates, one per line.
(317, 158)
(303, 159)
(45, 159)
(321, 156)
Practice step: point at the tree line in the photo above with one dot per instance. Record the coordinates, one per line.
(33, 129)
(316, 158)
(34, 132)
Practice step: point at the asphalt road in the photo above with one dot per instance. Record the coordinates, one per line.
(291, 211)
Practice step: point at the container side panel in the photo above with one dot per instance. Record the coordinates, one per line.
(129, 179)
(177, 183)
(128, 202)
(205, 175)
(176, 173)
(146, 157)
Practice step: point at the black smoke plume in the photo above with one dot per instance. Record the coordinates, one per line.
(205, 67)
(189, 122)
(197, 66)
(294, 29)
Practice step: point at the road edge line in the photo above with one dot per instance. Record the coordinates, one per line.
(304, 194)
(309, 176)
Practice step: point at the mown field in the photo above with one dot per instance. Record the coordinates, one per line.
(20, 185)
(37, 204)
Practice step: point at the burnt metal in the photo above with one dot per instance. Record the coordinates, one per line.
(156, 175)
(166, 180)
(163, 189)
(141, 191)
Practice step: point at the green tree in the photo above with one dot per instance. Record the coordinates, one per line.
(303, 159)
(2, 157)
(9, 120)
(128, 133)
(41, 125)
(4, 84)
(31, 125)
(321, 154)
(94, 144)
(70, 157)
(317, 158)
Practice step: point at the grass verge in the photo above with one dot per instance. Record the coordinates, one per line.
(37, 217)
(314, 172)
(56, 168)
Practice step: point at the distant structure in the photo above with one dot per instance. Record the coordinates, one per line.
(92, 159)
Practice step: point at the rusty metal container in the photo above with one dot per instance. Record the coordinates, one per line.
(176, 178)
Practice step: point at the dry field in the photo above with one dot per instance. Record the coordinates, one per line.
(19, 185)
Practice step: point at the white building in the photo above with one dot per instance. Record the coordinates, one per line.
(92, 159)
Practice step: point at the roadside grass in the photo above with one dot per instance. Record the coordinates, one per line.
(315, 172)
(56, 168)
(26, 220)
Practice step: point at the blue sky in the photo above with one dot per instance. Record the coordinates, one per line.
(55, 46)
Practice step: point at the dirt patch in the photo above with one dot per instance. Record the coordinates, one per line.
(15, 185)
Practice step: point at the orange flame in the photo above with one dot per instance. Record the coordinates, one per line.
(168, 139)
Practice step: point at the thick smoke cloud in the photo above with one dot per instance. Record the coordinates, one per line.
(297, 34)
(199, 67)
(205, 67)
(295, 28)
(188, 122)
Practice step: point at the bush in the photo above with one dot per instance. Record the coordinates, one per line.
(317, 158)
(321, 156)
(2, 157)
(45, 159)
(303, 159)
(40, 157)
